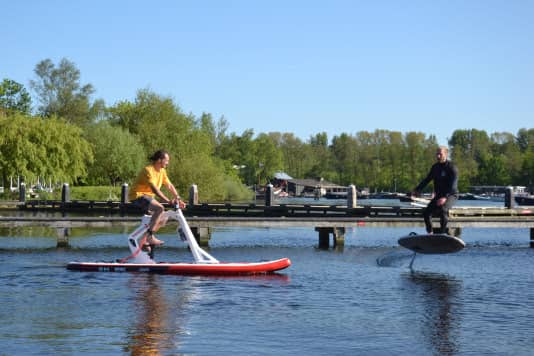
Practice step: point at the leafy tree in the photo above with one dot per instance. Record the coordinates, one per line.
(345, 158)
(527, 170)
(295, 154)
(61, 94)
(322, 158)
(33, 147)
(395, 153)
(268, 158)
(492, 171)
(464, 156)
(506, 149)
(159, 123)
(239, 151)
(525, 139)
(118, 156)
(14, 97)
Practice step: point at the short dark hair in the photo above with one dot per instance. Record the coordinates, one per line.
(159, 154)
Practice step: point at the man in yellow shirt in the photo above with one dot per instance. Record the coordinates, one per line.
(147, 187)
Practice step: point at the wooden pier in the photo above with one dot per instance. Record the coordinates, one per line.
(327, 220)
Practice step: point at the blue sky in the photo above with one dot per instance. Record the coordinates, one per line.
(294, 66)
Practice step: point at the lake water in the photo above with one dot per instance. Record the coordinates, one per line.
(362, 299)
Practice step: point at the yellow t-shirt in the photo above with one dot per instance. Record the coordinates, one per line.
(148, 175)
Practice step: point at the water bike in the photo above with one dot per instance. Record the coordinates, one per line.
(142, 259)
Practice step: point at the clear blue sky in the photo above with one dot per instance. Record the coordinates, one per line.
(294, 66)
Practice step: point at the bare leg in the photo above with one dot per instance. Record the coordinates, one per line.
(157, 210)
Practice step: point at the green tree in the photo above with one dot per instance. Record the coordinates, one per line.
(33, 147)
(295, 154)
(525, 139)
(268, 158)
(159, 123)
(321, 158)
(118, 155)
(464, 156)
(506, 149)
(14, 97)
(395, 154)
(345, 158)
(239, 151)
(61, 94)
(492, 171)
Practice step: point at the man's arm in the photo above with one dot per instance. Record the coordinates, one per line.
(453, 188)
(160, 194)
(173, 191)
(425, 181)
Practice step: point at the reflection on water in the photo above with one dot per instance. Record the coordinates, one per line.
(152, 329)
(161, 309)
(434, 297)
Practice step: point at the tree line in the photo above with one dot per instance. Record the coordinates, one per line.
(69, 137)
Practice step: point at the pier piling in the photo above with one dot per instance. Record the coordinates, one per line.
(22, 192)
(193, 195)
(65, 193)
(509, 198)
(338, 237)
(124, 193)
(202, 235)
(352, 199)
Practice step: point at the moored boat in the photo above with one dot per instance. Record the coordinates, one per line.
(524, 199)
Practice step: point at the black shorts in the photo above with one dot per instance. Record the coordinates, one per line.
(143, 202)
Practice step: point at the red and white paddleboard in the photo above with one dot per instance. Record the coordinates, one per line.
(204, 264)
(221, 268)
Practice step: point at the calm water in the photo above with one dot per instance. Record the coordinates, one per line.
(359, 300)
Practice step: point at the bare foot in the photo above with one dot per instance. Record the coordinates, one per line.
(152, 240)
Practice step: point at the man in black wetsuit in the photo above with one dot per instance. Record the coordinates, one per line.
(444, 175)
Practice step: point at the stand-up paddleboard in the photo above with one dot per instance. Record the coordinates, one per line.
(432, 244)
(221, 268)
(204, 264)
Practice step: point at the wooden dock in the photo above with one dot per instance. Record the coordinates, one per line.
(327, 220)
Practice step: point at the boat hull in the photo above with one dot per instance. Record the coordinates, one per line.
(524, 200)
(231, 268)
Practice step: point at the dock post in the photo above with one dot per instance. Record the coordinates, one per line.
(269, 196)
(65, 193)
(509, 198)
(352, 198)
(532, 237)
(456, 232)
(202, 235)
(124, 193)
(338, 237)
(62, 237)
(193, 195)
(324, 237)
(22, 192)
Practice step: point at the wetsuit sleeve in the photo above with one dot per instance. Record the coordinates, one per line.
(454, 180)
(425, 181)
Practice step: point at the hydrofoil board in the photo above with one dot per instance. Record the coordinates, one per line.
(432, 244)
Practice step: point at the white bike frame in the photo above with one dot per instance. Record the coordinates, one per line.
(140, 256)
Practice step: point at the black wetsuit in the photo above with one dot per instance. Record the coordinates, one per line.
(445, 178)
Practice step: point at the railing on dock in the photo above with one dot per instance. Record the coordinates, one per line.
(326, 219)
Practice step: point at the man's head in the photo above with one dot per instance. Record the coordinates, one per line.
(160, 158)
(442, 153)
